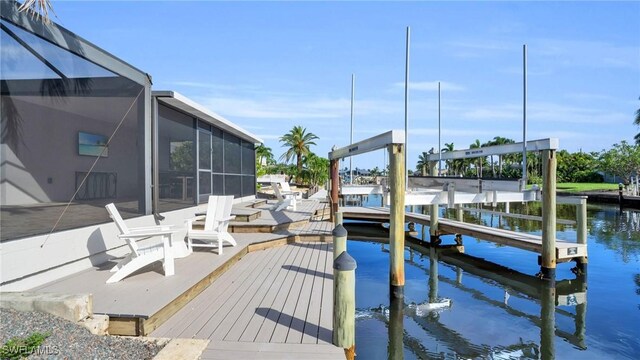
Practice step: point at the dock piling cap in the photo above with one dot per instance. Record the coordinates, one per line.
(344, 262)
(339, 231)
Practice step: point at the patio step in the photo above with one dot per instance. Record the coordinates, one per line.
(245, 214)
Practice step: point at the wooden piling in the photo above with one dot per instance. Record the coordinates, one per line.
(339, 240)
(581, 231)
(335, 186)
(433, 224)
(396, 330)
(433, 168)
(344, 304)
(397, 186)
(338, 218)
(548, 262)
(459, 212)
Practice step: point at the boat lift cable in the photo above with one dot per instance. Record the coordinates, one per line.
(92, 167)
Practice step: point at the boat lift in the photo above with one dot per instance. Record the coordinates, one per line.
(453, 192)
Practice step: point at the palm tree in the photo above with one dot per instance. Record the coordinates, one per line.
(264, 155)
(375, 172)
(451, 164)
(499, 140)
(316, 169)
(493, 168)
(422, 163)
(37, 8)
(298, 141)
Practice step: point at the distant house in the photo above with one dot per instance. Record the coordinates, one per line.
(81, 125)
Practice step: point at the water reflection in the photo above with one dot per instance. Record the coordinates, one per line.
(617, 230)
(496, 310)
(432, 317)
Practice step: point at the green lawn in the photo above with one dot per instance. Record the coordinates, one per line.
(579, 187)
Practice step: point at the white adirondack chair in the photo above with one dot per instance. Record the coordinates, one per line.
(286, 190)
(141, 256)
(216, 225)
(285, 200)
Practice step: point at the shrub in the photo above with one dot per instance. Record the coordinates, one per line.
(18, 348)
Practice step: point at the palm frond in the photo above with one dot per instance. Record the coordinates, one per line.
(38, 9)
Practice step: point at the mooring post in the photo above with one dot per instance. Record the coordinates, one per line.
(433, 223)
(459, 212)
(344, 304)
(433, 168)
(581, 230)
(548, 263)
(397, 185)
(335, 186)
(339, 239)
(338, 218)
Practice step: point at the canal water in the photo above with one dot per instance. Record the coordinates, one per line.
(457, 307)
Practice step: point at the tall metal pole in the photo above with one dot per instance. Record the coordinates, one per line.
(439, 146)
(353, 84)
(524, 113)
(406, 107)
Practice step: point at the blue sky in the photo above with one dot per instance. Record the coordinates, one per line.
(269, 66)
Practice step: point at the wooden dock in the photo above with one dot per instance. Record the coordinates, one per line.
(143, 301)
(565, 251)
(274, 297)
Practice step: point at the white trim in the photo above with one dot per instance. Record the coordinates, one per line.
(181, 102)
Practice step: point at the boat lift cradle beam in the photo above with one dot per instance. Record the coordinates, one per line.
(533, 145)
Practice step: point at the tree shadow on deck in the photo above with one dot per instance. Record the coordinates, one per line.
(314, 244)
(308, 271)
(306, 328)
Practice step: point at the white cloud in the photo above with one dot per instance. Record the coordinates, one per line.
(546, 112)
(598, 54)
(476, 49)
(494, 112)
(295, 108)
(268, 136)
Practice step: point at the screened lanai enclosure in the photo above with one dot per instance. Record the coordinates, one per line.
(65, 105)
(78, 132)
(200, 154)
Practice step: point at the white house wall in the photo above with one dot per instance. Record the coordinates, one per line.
(27, 264)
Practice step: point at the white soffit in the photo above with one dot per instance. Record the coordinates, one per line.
(181, 102)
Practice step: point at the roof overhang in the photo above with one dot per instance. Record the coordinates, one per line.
(70, 41)
(190, 107)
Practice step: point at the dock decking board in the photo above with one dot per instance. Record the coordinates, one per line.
(222, 320)
(270, 319)
(275, 296)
